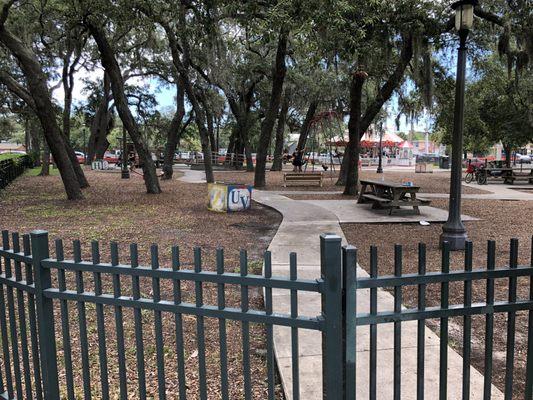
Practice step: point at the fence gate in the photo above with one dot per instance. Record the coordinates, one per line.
(72, 329)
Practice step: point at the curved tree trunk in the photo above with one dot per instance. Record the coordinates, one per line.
(277, 163)
(100, 125)
(112, 68)
(354, 129)
(44, 109)
(173, 132)
(305, 128)
(375, 106)
(279, 71)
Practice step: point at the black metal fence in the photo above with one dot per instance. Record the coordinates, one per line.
(12, 168)
(88, 301)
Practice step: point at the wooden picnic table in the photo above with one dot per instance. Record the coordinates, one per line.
(391, 195)
(509, 175)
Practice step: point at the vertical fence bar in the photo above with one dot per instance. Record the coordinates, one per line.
(511, 324)
(529, 364)
(467, 323)
(180, 348)
(349, 263)
(245, 329)
(397, 325)
(200, 326)
(269, 330)
(444, 303)
(158, 326)
(65, 326)
(45, 315)
(331, 274)
(137, 316)
(119, 326)
(21, 308)
(489, 323)
(421, 326)
(5, 339)
(373, 327)
(82, 324)
(222, 335)
(100, 323)
(12, 320)
(33, 322)
(295, 347)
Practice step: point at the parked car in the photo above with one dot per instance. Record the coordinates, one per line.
(80, 156)
(111, 157)
(526, 159)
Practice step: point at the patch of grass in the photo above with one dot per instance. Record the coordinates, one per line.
(37, 171)
(9, 156)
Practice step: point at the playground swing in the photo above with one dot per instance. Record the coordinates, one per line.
(328, 126)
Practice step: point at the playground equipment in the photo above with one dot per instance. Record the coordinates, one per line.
(326, 130)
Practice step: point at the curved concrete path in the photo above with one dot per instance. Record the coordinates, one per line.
(299, 232)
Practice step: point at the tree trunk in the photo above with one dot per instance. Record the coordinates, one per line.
(44, 109)
(354, 129)
(507, 149)
(383, 95)
(279, 71)
(305, 128)
(98, 142)
(45, 163)
(277, 163)
(173, 132)
(112, 68)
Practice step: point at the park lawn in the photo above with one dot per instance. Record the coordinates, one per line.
(118, 210)
(498, 220)
(438, 182)
(8, 156)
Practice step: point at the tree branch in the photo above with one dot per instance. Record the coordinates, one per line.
(16, 88)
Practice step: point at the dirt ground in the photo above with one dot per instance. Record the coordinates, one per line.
(116, 210)
(499, 221)
(438, 182)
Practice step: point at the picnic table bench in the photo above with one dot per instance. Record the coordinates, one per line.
(299, 178)
(390, 195)
(508, 175)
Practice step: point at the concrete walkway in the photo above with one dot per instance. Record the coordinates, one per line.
(303, 222)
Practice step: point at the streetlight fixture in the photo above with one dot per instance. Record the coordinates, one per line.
(380, 165)
(454, 231)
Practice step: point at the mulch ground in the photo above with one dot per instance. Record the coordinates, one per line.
(116, 210)
(438, 182)
(499, 221)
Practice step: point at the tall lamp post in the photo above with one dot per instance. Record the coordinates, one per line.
(453, 231)
(125, 173)
(380, 165)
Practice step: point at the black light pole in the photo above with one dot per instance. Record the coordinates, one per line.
(454, 231)
(380, 165)
(125, 173)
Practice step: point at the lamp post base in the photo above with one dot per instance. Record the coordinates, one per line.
(379, 170)
(456, 238)
(125, 174)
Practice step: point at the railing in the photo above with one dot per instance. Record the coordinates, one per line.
(44, 287)
(422, 313)
(72, 328)
(12, 168)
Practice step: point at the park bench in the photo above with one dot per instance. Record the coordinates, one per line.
(508, 175)
(301, 178)
(390, 195)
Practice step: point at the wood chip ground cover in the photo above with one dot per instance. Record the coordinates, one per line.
(116, 210)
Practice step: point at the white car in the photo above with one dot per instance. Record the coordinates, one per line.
(523, 158)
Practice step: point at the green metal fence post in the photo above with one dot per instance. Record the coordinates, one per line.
(45, 316)
(332, 347)
(349, 310)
